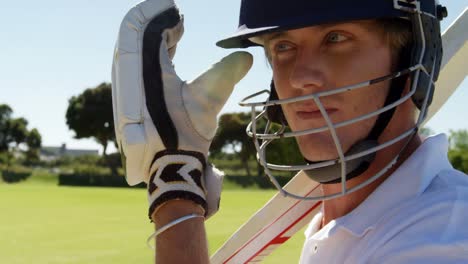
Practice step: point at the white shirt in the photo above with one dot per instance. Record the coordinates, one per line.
(418, 215)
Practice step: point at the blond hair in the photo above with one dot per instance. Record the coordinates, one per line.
(397, 34)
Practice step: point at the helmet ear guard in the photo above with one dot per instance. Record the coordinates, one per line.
(275, 113)
(431, 60)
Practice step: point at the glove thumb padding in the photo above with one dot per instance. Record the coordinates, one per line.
(209, 92)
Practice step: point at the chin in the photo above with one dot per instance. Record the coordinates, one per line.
(317, 147)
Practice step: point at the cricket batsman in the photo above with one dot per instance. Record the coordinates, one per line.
(352, 84)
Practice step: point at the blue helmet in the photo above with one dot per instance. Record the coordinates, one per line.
(266, 16)
(259, 17)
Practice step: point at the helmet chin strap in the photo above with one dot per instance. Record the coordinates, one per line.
(332, 174)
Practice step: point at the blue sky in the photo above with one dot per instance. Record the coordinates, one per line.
(51, 50)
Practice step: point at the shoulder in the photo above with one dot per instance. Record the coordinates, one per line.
(430, 228)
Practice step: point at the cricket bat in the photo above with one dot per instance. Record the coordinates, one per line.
(281, 217)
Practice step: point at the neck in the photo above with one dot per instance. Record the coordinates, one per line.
(341, 206)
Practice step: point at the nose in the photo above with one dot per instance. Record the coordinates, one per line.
(308, 73)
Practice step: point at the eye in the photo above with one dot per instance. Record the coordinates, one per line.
(336, 37)
(282, 47)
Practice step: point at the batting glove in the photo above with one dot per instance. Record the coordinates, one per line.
(164, 126)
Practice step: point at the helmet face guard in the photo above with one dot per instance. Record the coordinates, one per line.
(423, 70)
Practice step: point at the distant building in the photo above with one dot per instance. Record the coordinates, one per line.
(52, 153)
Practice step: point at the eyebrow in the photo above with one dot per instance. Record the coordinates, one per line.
(272, 36)
(269, 37)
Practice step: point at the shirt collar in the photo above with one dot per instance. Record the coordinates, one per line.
(410, 180)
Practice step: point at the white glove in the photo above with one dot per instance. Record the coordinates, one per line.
(164, 126)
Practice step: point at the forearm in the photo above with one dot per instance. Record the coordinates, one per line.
(185, 242)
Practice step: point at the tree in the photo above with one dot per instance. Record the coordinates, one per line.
(34, 139)
(34, 142)
(459, 140)
(89, 115)
(458, 153)
(14, 130)
(18, 130)
(5, 116)
(231, 136)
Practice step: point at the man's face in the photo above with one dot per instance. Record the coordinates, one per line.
(322, 58)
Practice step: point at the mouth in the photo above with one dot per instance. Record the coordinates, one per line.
(314, 114)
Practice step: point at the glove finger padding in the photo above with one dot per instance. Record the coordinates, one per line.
(209, 92)
(135, 132)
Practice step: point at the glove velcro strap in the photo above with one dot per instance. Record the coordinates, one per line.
(177, 175)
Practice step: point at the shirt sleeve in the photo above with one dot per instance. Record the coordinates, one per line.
(439, 235)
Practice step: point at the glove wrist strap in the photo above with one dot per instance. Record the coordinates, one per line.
(177, 175)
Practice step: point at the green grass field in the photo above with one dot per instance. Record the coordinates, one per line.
(43, 223)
